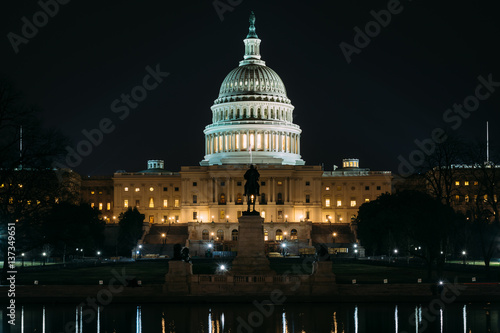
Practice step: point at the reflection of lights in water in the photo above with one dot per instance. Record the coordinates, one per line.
(76, 321)
(441, 319)
(99, 319)
(335, 322)
(283, 319)
(22, 319)
(163, 322)
(222, 319)
(416, 319)
(210, 329)
(138, 320)
(464, 314)
(356, 319)
(396, 318)
(43, 319)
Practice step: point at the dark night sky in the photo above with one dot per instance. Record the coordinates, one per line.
(395, 91)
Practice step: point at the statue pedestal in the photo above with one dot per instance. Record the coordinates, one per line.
(323, 279)
(251, 258)
(178, 278)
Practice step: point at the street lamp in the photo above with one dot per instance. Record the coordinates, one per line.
(163, 236)
(334, 235)
(227, 218)
(286, 218)
(283, 245)
(22, 259)
(464, 254)
(284, 234)
(44, 255)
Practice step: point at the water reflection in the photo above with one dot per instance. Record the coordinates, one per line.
(223, 318)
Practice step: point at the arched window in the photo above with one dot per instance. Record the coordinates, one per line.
(279, 199)
(279, 235)
(222, 199)
(239, 199)
(204, 234)
(234, 234)
(220, 235)
(266, 235)
(263, 200)
(195, 198)
(293, 234)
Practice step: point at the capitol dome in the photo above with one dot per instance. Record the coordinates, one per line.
(252, 118)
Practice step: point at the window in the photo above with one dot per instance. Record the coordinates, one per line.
(176, 203)
(263, 214)
(308, 183)
(165, 218)
(100, 192)
(293, 234)
(222, 183)
(165, 203)
(262, 183)
(195, 215)
(239, 199)
(485, 198)
(176, 218)
(222, 199)
(238, 183)
(280, 183)
(263, 200)
(222, 215)
(137, 189)
(151, 189)
(176, 189)
(151, 219)
(308, 198)
(339, 188)
(457, 198)
(204, 234)
(280, 214)
(476, 183)
(457, 183)
(126, 189)
(220, 235)
(367, 188)
(279, 235)
(266, 235)
(327, 203)
(339, 218)
(353, 202)
(466, 183)
(367, 200)
(137, 203)
(151, 203)
(339, 203)
(92, 192)
(91, 204)
(195, 198)
(327, 188)
(308, 214)
(234, 235)
(466, 198)
(279, 201)
(100, 205)
(125, 203)
(165, 189)
(195, 184)
(379, 188)
(108, 206)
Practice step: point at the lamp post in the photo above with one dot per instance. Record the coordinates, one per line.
(286, 218)
(22, 259)
(464, 255)
(43, 257)
(163, 238)
(396, 253)
(334, 235)
(227, 218)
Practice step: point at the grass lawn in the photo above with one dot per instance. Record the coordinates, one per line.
(153, 272)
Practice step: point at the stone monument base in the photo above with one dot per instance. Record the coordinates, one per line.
(178, 278)
(251, 258)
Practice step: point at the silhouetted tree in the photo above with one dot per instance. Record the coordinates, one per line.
(130, 230)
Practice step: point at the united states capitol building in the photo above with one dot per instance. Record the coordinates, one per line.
(252, 123)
